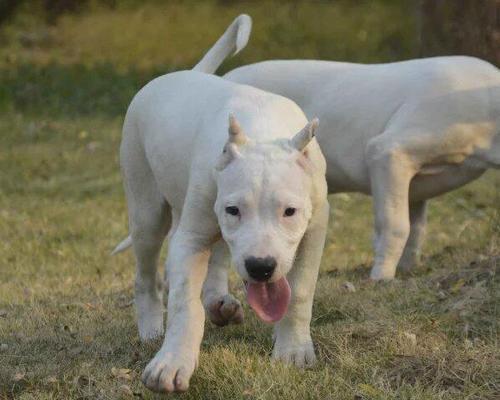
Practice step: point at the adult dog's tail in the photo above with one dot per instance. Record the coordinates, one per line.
(234, 39)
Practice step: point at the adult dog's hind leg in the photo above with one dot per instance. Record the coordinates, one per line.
(390, 173)
(221, 307)
(418, 222)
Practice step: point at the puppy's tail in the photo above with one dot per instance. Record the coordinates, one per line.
(234, 39)
(124, 245)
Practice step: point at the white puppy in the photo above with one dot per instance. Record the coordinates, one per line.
(403, 132)
(262, 187)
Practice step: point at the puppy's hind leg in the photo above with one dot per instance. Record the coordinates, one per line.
(148, 235)
(149, 221)
(418, 222)
(221, 307)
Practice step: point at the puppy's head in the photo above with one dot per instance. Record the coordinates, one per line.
(263, 207)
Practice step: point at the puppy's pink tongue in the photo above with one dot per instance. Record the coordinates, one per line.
(269, 300)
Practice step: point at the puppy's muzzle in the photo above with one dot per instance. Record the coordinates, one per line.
(260, 269)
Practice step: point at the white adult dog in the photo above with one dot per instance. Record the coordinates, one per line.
(262, 187)
(403, 132)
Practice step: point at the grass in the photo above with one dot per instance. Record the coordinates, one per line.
(67, 327)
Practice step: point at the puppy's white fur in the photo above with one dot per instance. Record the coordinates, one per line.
(182, 170)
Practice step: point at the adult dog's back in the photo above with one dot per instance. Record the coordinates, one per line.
(357, 102)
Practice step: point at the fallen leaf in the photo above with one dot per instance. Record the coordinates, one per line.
(121, 373)
(52, 379)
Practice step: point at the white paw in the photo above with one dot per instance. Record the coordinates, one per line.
(297, 352)
(224, 310)
(168, 372)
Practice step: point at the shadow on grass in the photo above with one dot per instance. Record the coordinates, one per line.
(71, 90)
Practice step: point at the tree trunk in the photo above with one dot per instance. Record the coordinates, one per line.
(466, 27)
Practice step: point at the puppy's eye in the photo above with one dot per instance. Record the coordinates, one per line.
(232, 210)
(289, 212)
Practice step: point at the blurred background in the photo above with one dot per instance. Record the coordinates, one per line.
(47, 44)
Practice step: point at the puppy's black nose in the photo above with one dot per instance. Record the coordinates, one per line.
(260, 269)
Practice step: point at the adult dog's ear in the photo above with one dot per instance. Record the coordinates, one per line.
(302, 139)
(236, 139)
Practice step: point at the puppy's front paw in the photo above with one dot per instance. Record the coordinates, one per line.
(168, 372)
(297, 352)
(225, 310)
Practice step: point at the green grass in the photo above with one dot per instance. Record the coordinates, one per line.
(66, 321)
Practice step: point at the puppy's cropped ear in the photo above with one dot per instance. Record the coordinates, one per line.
(302, 139)
(236, 134)
(236, 139)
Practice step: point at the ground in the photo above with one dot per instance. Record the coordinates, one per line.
(67, 326)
